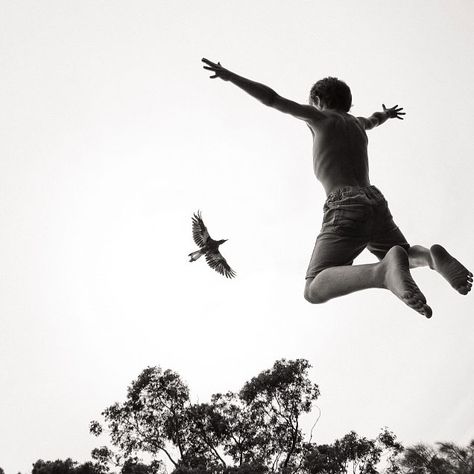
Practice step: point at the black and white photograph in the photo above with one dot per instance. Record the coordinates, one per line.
(235, 237)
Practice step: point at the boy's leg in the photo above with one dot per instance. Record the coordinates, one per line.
(419, 256)
(391, 273)
(349, 218)
(438, 258)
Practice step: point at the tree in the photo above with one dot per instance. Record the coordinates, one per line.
(53, 467)
(258, 427)
(67, 466)
(444, 458)
(278, 397)
(152, 416)
(207, 428)
(134, 466)
(256, 430)
(354, 454)
(247, 441)
(461, 459)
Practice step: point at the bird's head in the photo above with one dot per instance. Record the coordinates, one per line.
(222, 241)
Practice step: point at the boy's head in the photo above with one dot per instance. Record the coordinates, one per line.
(331, 93)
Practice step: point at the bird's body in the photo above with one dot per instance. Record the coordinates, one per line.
(209, 248)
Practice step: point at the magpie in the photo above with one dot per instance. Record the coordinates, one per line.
(209, 248)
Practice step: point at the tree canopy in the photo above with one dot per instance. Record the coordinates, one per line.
(255, 430)
(67, 466)
(443, 458)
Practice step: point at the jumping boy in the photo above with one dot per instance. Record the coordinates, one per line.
(356, 214)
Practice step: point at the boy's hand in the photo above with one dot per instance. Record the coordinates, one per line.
(394, 112)
(217, 69)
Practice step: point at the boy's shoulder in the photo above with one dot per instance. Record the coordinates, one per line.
(332, 115)
(336, 122)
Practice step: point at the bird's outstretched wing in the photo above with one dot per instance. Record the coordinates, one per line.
(200, 233)
(216, 261)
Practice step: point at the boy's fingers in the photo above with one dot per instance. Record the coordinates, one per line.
(399, 118)
(208, 68)
(204, 60)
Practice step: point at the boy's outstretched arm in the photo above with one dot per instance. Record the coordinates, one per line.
(263, 93)
(378, 118)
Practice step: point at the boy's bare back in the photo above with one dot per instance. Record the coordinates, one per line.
(339, 150)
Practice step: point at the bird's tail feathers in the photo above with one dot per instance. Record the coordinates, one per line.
(195, 255)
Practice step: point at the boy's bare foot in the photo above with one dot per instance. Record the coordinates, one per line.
(398, 280)
(458, 276)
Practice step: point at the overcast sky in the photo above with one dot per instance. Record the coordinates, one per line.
(112, 135)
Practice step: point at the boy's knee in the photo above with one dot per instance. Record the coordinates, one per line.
(314, 298)
(311, 294)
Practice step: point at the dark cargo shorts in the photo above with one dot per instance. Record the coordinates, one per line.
(354, 218)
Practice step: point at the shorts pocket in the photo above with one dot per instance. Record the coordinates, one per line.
(330, 215)
(352, 220)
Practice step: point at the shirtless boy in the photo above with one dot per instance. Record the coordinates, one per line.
(356, 214)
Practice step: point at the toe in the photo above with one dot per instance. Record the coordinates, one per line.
(427, 311)
(416, 303)
(418, 296)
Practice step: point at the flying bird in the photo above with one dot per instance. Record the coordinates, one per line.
(209, 248)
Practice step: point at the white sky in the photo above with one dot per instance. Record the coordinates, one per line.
(112, 135)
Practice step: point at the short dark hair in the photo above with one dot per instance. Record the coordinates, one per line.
(335, 94)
